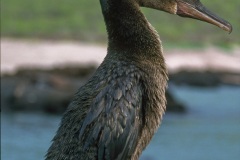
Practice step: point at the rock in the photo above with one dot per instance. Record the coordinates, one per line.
(173, 105)
(205, 78)
(50, 90)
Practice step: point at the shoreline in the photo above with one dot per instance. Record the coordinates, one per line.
(17, 53)
(44, 75)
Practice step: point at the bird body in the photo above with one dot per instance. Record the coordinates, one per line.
(116, 113)
(112, 123)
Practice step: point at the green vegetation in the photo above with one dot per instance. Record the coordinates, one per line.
(82, 20)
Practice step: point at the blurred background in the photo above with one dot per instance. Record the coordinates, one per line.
(49, 48)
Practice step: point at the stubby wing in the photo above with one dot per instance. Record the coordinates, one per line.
(112, 124)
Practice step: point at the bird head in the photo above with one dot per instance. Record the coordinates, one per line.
(187, 8)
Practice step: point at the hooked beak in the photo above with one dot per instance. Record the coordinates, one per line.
(198, 11)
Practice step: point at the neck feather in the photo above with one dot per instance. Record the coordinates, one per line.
(128, 29)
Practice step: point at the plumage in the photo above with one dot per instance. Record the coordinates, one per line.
(116, 113)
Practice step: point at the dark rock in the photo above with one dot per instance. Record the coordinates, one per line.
(50, 90)
(173, 105)
(205, 78)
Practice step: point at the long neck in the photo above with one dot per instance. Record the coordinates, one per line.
(129, 33)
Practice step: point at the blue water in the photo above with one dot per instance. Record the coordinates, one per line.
(210, 130)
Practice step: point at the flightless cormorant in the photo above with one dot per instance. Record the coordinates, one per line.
(116, 113)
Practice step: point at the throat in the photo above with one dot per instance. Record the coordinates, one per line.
(128, 29)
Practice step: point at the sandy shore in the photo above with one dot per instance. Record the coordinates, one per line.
(36, 53)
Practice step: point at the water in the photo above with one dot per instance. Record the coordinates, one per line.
(209, 130)
(26, 136)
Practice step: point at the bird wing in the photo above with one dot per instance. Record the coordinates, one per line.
(112, 123)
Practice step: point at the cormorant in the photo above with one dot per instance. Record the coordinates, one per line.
(116, 113)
